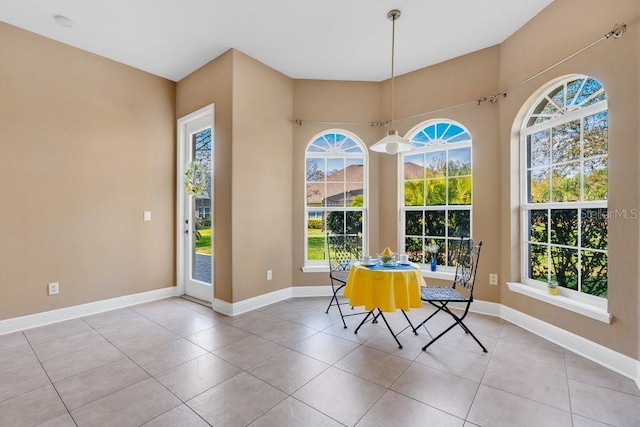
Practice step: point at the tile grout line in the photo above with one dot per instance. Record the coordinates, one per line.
(359, 345)
(52, 385)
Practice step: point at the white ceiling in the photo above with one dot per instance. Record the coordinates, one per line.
(305, 39)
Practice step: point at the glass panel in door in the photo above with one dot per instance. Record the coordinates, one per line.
(201, 211)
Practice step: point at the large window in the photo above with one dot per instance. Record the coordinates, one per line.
(335, 190)
(564, 146)
(437, 185)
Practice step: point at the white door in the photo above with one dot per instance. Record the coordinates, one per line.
(195, 200)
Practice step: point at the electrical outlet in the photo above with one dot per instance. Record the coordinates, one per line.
(53, 288)
(269, 274)
(493, 279)
(147, 215)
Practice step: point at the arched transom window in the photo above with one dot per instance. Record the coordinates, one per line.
(335, 191)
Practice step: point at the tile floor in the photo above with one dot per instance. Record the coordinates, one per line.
(176, 363)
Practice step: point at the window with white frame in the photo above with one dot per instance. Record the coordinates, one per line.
(335, 191)
(564, 170)
(437, 196)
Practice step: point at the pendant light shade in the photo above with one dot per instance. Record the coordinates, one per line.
(392, 143)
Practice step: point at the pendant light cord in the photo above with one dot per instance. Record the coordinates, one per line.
(393, 56)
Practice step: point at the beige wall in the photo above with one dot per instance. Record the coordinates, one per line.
(261, 183)
(615, 63)
(86, 145)
(213, 83)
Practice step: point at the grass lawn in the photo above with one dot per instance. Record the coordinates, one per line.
(316, 246)
(203, 244)
(316, 243)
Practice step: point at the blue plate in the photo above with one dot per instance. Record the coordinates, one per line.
(370, 265)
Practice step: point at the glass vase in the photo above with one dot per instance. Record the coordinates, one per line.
(434, 262)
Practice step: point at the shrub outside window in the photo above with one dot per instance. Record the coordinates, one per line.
(564, 146)
(335, 191)
(437, 191)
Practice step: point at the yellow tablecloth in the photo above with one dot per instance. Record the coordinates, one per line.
(387, 290)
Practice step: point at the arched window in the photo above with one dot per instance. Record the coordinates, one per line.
(335, 191)
(564, 168)
(437, 186)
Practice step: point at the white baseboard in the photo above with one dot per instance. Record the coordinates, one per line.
(480, 307)
(244, 306)
(312, 291)
(240, 307)
(40, 319)
(595, 352)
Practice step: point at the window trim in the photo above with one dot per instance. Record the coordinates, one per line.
(563, 301)
(589, 305)
(320, 266)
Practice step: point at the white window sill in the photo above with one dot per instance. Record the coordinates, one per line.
(315, 269)
(562, 301)
(438, 274)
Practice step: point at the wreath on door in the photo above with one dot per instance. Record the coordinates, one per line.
(195, 178)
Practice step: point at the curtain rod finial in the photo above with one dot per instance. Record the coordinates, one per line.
(617, 31)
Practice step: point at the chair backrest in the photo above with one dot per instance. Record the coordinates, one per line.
(467, 264)
(343, 251)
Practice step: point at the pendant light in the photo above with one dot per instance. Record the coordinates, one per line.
(392, 143)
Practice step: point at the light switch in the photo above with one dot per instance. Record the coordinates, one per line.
(147, 215)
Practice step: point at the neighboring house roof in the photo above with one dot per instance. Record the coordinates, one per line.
(353, 175)
(413, 171)
(350, 195)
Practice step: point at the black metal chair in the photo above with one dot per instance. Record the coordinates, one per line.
(461, 291)
(343, 251)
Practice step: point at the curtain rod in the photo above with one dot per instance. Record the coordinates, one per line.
(616, 32)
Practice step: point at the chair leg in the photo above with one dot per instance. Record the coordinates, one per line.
(395, 337)
(438, 337)
(331, 303)
(439, 308)
(363, 321)
(337, 303)
(335, 296)
(341, 315)
(410, 324)
(447, 330)
(458, 321)
(477, 340)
